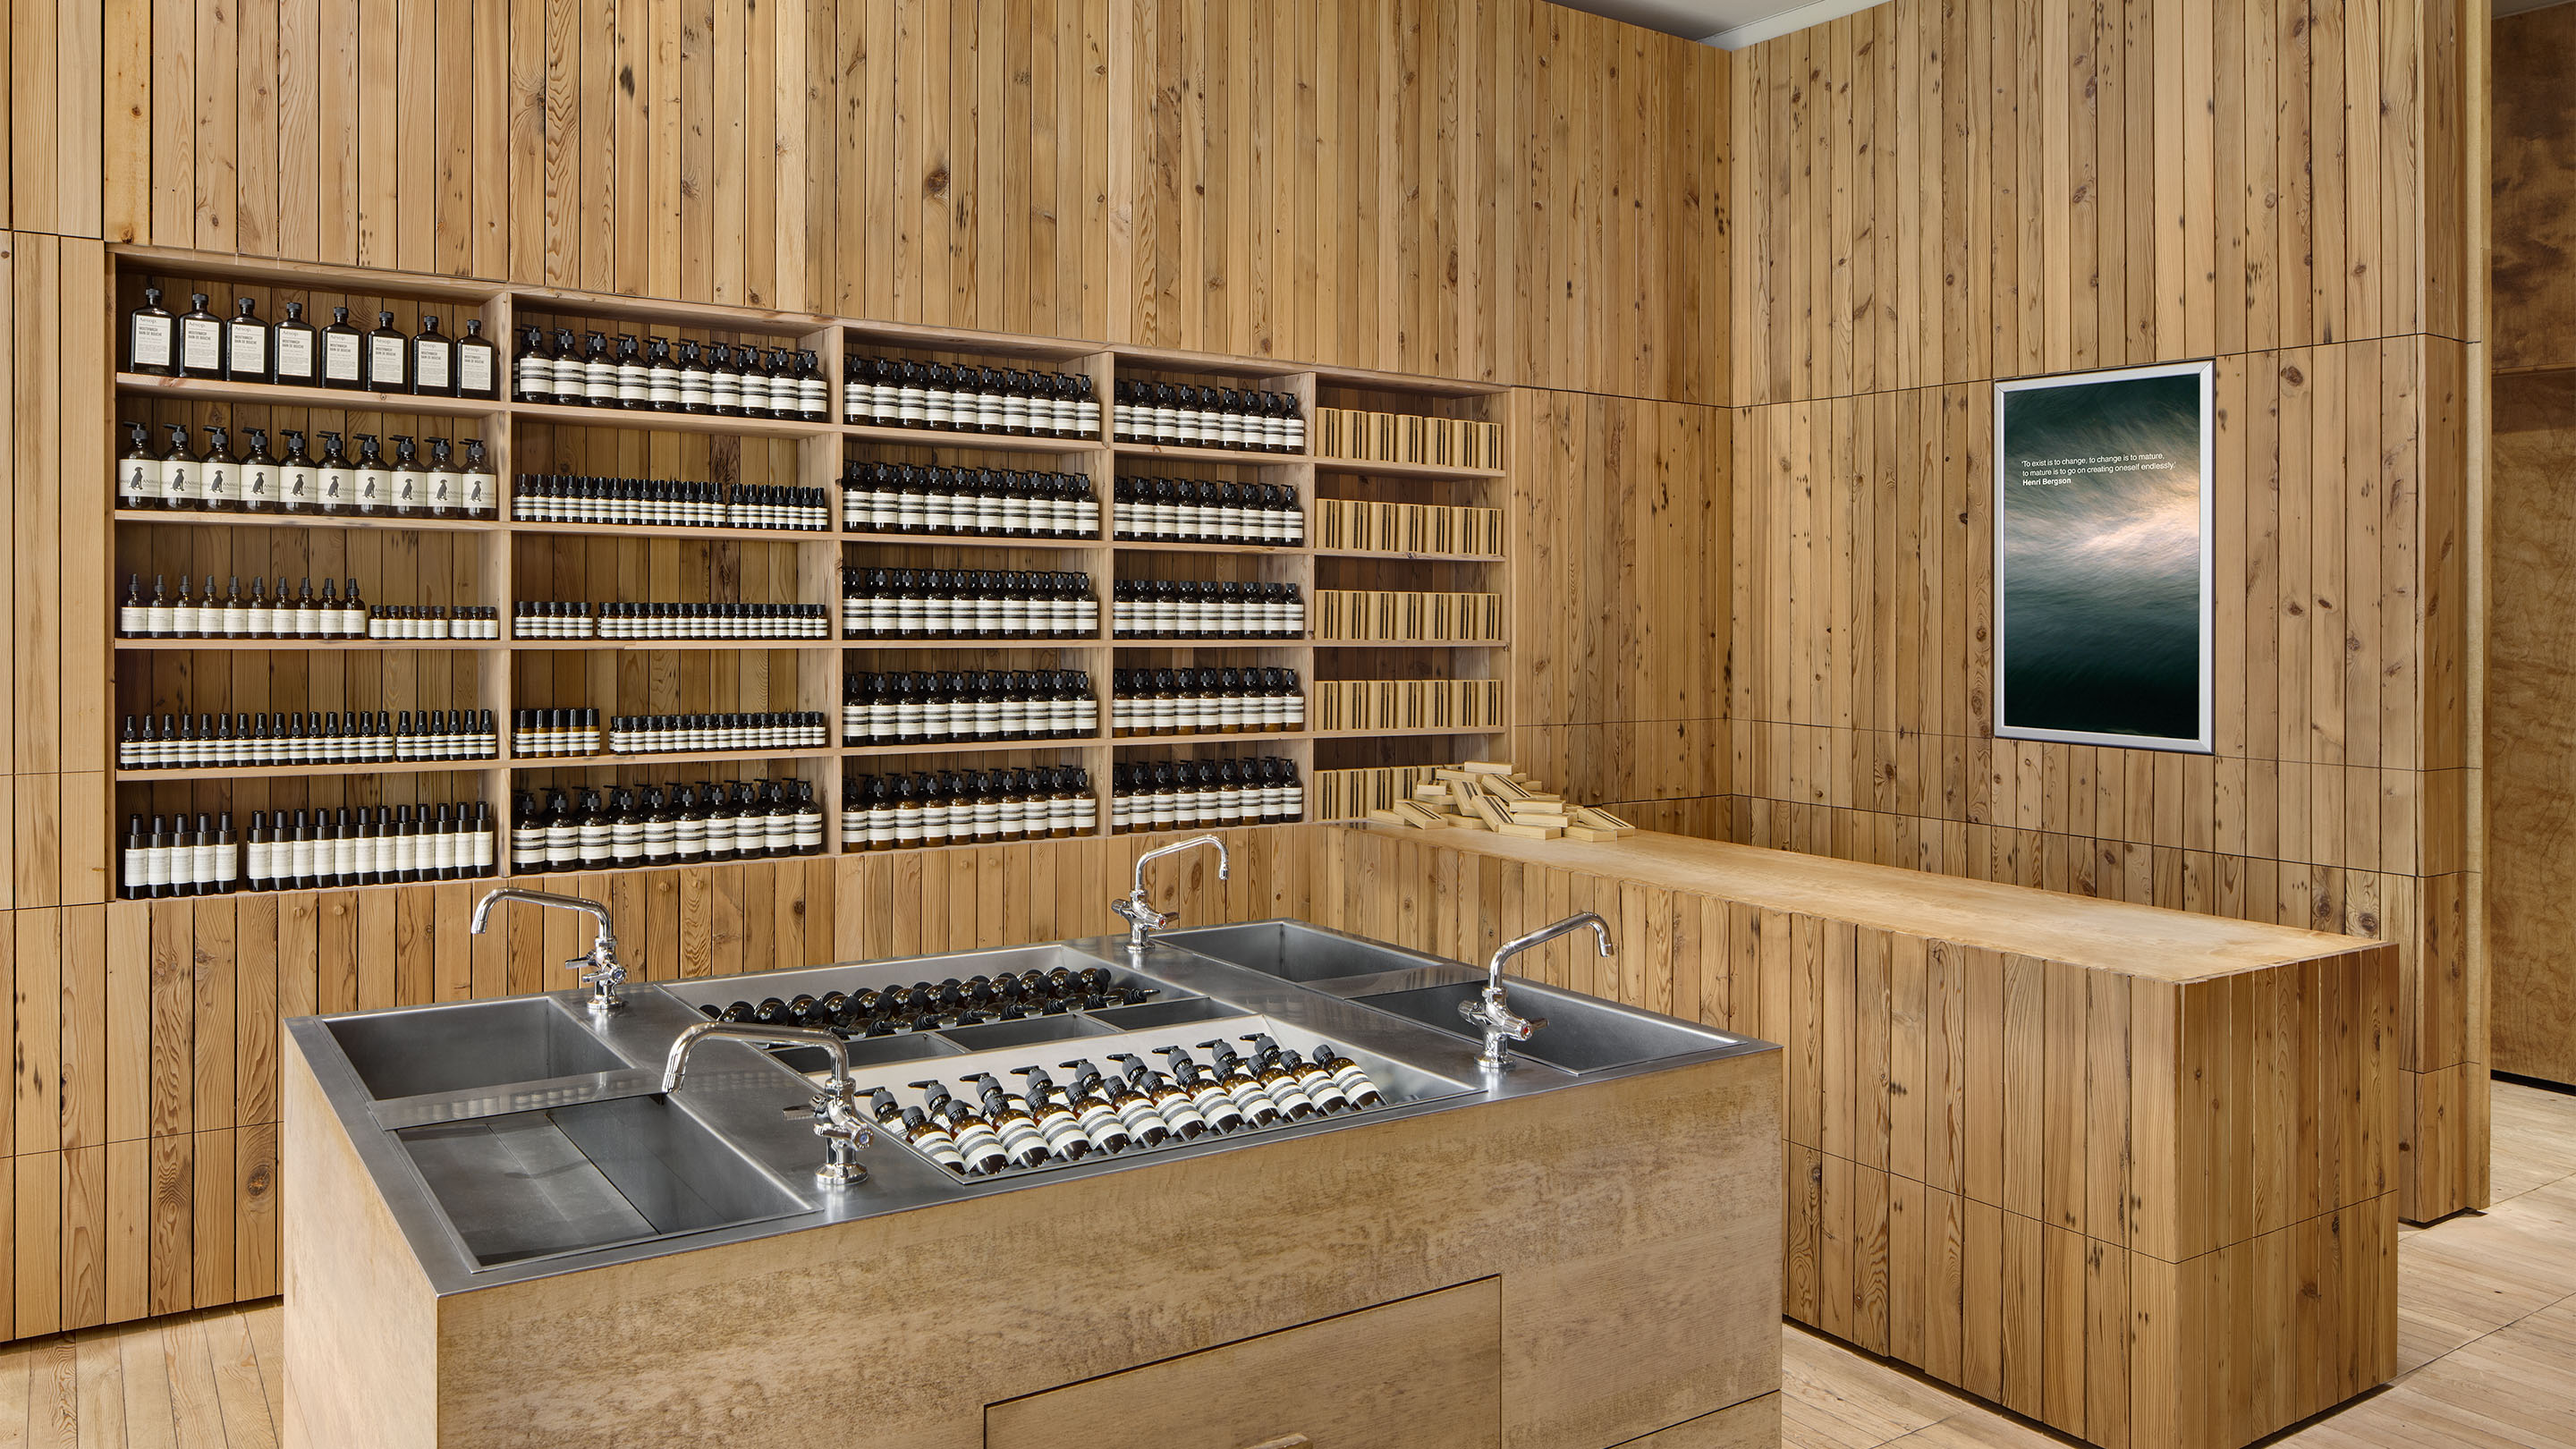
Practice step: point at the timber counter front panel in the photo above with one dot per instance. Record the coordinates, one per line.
(2129, 1172)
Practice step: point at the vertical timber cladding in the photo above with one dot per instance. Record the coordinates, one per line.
(1928, 198)
(1540, 192)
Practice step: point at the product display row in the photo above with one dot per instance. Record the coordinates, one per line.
(295, 353)
(727, 379)
(434, 621)
(1199, 510)
(1205, 701)
(302, 615)
(1134, 1108)
(967, 604)
(889, 392)
(607, 827)
(532, 619)
(905, 709)
(1205, 609)
(1203, 794)
(669, 503)
(264, 741)
(1181, 415)
(216, 478)
(309, 850)
(545, 733)
(992, 502)
(923, 1006)
(966, 807)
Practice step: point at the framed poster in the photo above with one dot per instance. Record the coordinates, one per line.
(2102, 558)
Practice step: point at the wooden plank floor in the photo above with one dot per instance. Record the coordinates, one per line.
(2486, 1349)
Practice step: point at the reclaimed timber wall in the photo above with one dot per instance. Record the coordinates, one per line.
(2531, 676)
(1930, 197)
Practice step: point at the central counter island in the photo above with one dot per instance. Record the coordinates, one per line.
(502, 1232)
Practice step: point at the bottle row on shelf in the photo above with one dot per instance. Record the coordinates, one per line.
(923, 708)
(1182, 415)
(536, 619)
(1199, 510)
(294, 353)
(655, 374)
(265, 741)
(220, 479)
(993, 502)
(307, 850)
(289, 616)
(558, 733)
(1203, 794)
(890, 392)
(1205, 701)
(967, 604)
(924, 1006)
(966, 807)
(704, 823)
(669, 503)
(1205, 609)
(1133, 1109)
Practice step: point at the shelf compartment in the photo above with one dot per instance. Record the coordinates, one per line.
(967, 747)
(303, 645)
(1181, 453)
(973, 540)
(563, 416)
(1349, 466)
(534, 528)
(263, 772)
(276, 395)
(679, 757)
(309, 520)
(632, 646)
(950, 438)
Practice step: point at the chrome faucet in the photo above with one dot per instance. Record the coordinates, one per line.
(1494, 1014)
(837, 1118)
(1142, 918)
(599, 970)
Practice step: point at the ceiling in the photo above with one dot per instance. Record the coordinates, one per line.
(1734, 23)
(1712, 20)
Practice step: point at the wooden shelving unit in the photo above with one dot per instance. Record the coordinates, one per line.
(497, 562)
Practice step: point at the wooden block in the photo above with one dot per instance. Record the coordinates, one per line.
(1485, 767)
(1529, 832)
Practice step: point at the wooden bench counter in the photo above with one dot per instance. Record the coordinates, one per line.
(2125, 1170)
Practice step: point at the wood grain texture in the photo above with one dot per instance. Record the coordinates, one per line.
(1424, 1371)
(2298, 176)
(2031, 1145)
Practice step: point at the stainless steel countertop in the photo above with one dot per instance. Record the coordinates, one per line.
(755, 1103)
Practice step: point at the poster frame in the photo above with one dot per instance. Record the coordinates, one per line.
(2206, 370)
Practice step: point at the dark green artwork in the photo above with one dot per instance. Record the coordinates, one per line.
(2100, 544)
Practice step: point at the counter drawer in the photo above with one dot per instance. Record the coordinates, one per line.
(1420, 1373)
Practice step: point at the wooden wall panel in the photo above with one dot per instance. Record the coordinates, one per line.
(1619, 634)
(2530, 752)
(2274, 184)
(1476, 188)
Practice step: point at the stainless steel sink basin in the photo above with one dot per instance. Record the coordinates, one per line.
(421, 1050)
(594, 1175)
(1582, 1034)
(1295, 951)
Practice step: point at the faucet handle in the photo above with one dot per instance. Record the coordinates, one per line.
(844, 1130)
